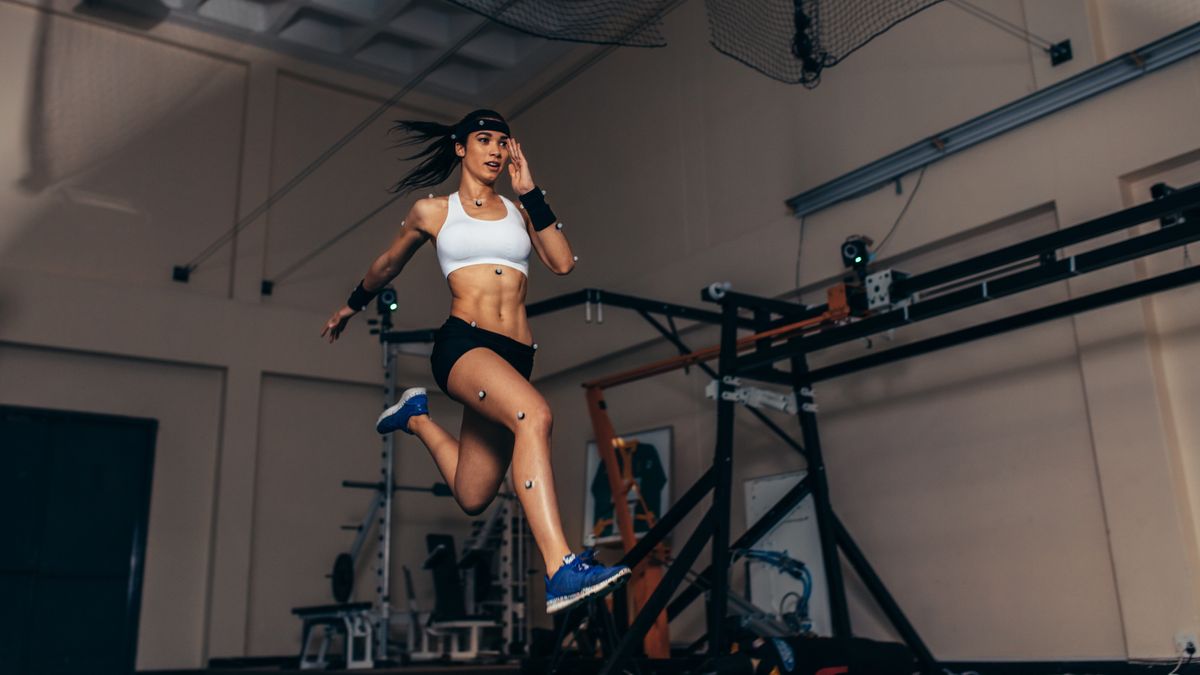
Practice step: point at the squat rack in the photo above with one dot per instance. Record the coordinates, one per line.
(806, 329)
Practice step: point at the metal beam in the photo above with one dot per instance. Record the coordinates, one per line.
(1095, 80)
(986, 291)
(1086, 303)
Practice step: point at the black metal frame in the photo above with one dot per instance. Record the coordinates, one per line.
(1042, 265)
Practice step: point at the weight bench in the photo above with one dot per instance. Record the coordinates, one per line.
(449, 626)
(352, 620)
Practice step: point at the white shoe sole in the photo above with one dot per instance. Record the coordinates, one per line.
(566, 601)
(404, 398)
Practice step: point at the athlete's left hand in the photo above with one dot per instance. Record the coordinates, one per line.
(518, 169)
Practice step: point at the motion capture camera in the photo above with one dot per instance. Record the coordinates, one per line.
(856, 253)
(385, 302)
(1162, 191)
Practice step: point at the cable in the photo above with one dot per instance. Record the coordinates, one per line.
(338, 145)
(907, 204)
(321, 249)
(1003, 24)
(408, 87)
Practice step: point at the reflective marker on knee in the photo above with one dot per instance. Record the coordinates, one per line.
(482, 393)
(520, 415)
(528, 485)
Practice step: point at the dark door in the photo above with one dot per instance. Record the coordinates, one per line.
(74, 506)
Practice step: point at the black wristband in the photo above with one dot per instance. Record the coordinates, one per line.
(539, 211)
(360, 298)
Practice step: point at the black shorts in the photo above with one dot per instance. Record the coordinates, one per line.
(457, 337)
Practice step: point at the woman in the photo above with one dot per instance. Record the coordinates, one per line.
(483, 354)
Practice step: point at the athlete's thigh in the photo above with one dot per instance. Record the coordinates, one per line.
(484, 453)
(507, 398)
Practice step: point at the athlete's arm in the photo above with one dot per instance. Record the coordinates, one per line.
(551, 246)
(413, 232)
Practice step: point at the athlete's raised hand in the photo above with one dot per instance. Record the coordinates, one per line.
(518, 169)
(337, 323)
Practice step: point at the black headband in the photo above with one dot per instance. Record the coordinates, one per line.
(465, 128)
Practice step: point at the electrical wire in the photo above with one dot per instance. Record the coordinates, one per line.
(1003, 24)
(911, 196)
(323, 247)
(335, 239)
(783, 601)
(312, 166)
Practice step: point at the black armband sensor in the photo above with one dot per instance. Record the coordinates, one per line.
(539, 211)
(360, 298)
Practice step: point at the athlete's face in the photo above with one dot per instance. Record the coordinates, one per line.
(485, 154)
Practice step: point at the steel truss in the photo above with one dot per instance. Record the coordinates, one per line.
(785, 331)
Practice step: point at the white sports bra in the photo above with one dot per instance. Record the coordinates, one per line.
(464, 240)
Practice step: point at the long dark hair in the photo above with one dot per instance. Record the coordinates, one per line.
(440, 159)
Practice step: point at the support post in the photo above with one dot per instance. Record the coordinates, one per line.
(660, 596)
(648, 572)
(723, 484)
(884, 599)
(838, 610)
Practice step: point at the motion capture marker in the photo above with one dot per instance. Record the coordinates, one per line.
(482, 393)
(543, 193)
(472, 324)
(557, 226)
(576, 258)
(453, 136)
(480, 122)
(499, 271)
(431, 195)
(402, 223)
(520, 415)
(535, 345)
(528, 485)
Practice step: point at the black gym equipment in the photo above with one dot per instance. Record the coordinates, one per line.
(909, 299)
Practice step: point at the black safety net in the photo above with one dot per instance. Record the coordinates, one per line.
(789, 40)
(794, 40)
(611, 22)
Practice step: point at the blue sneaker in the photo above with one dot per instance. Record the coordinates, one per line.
(579, 578)
(412, 402)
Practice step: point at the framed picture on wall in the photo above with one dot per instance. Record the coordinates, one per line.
(651, 469)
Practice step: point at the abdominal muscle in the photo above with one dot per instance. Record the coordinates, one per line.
(495, 302)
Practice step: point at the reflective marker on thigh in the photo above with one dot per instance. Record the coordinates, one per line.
(482, 393)
(528, 485)
(520, 415)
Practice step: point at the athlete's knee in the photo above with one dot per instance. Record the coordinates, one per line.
(474, 505)
(536, 420)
